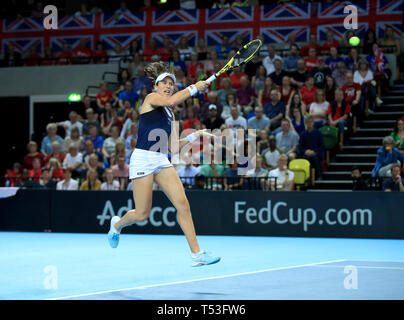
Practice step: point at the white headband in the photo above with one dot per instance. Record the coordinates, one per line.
(164, 75)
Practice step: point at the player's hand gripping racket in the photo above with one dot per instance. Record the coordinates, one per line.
(245, 54)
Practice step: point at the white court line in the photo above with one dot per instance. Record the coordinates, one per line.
(363, 267)
(195, 280)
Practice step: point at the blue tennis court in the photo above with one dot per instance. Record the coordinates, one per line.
(157, 267)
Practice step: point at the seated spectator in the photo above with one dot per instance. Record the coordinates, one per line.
(91, 182)
(210, 171)
(212, 63)
(398, 134)
(214, 121)
(108, 147)
(338, 115)
(290, 63)
(11, 56)
(295, 102)
(331, 42)
(73, 161)
(188, 172)
(231, 101)
(387, 156)
(379, 64)
(46, 144)
(119, 151)
(333, 59)
(352, 93)
(121, 173)
(177, 61)
(152, 49)
(202, 49)
(236, 76)
(141, 82)
(128, 94)
(330, 87)
(256, 175)
(319, 109)
(14, 175)
(275, 110)
(36, 171)
(246, 96)
(281, 178)
(359, 183)
(352, 61)
(258, 79)
(190, 121)
(93, 163)
(204, 109)
(271, 154)
(104, 95)
(32, 58)
(308, 91)
(45, 181)
(99, 55)
(117, 53)
(278, 73)
(364, 77)
(339, 74)
(91, 121)
(88, 151)
(55, 169)
(123, 76)
(395, 183)
(344, 42)
(65, 57)
(264, 95)
(82, 53)
(56, 153)
(181, 78)
(320, 73)
(286, 90)
(311, 61)
(251, 68)
(71, 123)
(126, 129)
(31, 155)
(193, 65)
(97, 140)
(67, 183)
(26, 182)
(299, 77)
(235, 121)
(287, 139)
(269, 60)
(311, 145)
(136, 64)
(184, 48)
(304, 51)
(147, 6)
(89, 104)
(260, 121)
(129, 148)
(224, 48)
(118, 115)
(109, 182)
(297, 120)
(49, 57)
(232, 180)
(224, 90)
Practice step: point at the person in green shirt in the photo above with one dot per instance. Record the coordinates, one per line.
(398, 134)
(210, 171)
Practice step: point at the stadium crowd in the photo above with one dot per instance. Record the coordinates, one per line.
(287, 93)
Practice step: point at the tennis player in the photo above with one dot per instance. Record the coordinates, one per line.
(148, 165)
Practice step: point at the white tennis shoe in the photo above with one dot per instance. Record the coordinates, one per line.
(113, 235)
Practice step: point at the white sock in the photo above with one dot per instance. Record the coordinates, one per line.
(194, 255)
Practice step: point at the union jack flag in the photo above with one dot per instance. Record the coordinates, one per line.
(274, 22)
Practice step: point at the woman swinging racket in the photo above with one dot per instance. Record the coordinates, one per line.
(149, 163)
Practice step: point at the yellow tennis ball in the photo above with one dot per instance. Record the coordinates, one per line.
(354, 41)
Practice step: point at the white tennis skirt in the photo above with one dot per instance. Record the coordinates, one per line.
(145, 162)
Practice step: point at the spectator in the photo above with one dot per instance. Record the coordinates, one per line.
(258, 80)
(395, 183)
(117, 53)
(45, 181)
(352, 61)
(99, 55)
(46, 144)
(177, 61)
(67, 183)
(71, 123)
(130, 145)
(231, 101)
(190, 121)
(368, 41)
(11, 56)
(290, 63)
(320, 73)
(238, 42)
(108, 147)
(32, 58)
(220, 4)
(398, 134)
(284, 177)
(380, 67)
(73, 139)
(257, 174)
(278, 73)
(232, 180)
(166, 49)
(121, 173)
(311, 145)
(119, 151)
(359, 183)
(89, 150)
(344, 42)
(55, 169)
(311, 61)
(269, 60)
(88, 104)
(352, 93)
(73, 161)
(152, 50)
(56, 153)
(93, 164)
(297, 120)
(211, 171)
(224, 48)
(65, 57)
(202, 49)
(299, 77)
(214, 121)
(126, 129)
(109, 182)
(319, 109)
(128, 94)
(184, 48)
(104, 95)
(141, 82)
(123, 76)
(387, 156)
(193, 65)
(271, 154)
(97, 140)
(211, 64)
(295, 102)
(275, 110)
(147, 6)
(338, 115)
(364, 77)
(136, 64)
(304, 51)
(83, 10)
(260, 121)
(252, 66)
(236, 76)
(330, 87)
(180, 76)
(308, 91)
(49, 57)
(204, 110)
(26, 182)
(82, 53)
(264, 95)
(235, 121)
(225, 90)
(331, 42)
(36, 171)
(287, 139)
(91, 121)
(286, 90)
(333, 59)
(246, 96)
(390, 43)
(31, 155)
(91, 182)
(188, 172)
(339, 74)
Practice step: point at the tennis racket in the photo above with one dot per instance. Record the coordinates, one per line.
(245, 54)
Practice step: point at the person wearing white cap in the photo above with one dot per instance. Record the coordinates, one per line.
(214, 121)
(149, 161)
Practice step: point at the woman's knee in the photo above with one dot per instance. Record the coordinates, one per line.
(183, 206)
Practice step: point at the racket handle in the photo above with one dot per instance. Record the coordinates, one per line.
(211, 78)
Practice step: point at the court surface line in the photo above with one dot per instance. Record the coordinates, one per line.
(202, 279)
(363, 267)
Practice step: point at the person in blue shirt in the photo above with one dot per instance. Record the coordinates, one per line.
(333, 59)
(387, 156)
(275, 111)
(290, 63)
(128, 94)
(395, 183)
(97, 140)
(46, 144)
(141, 81)
(176, 60)
(224, 48)
(232, 180)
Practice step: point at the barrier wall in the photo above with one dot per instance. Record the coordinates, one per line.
(252, 213)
